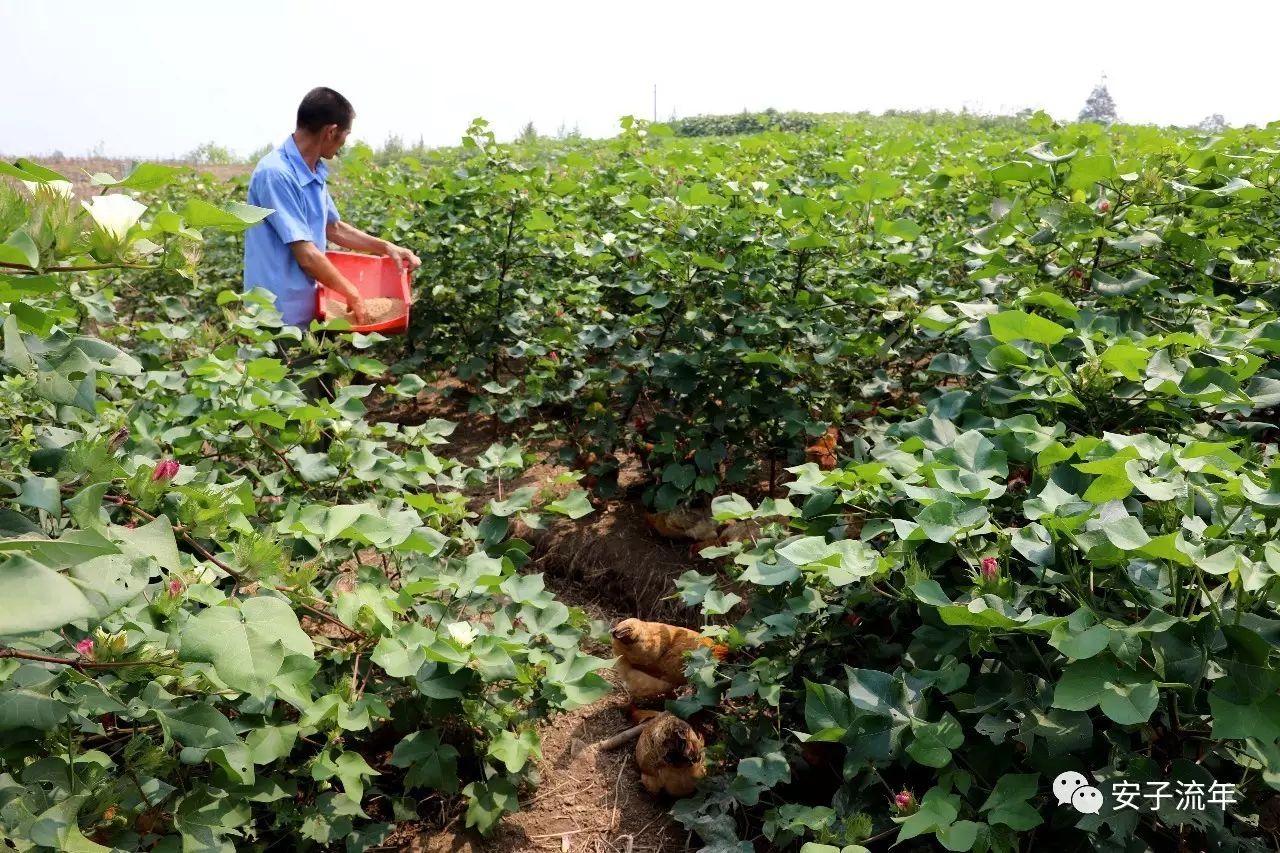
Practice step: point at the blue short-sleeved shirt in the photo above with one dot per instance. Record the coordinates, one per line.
(303, 209)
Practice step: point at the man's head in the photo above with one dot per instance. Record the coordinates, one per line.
(326, 117)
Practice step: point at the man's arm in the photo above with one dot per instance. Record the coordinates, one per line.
(317, 266)
(349, 237)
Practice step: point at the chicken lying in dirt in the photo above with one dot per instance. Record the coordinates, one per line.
(651, 657)
(670, 755)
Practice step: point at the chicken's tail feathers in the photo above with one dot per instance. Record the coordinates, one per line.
(640, 715)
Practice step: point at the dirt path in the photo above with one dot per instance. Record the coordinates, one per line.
(611, 565)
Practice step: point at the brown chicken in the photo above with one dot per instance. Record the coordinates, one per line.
(823, 451)
(683, 523)
(671, 756)
(651, 656)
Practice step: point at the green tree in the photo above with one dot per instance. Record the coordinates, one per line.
(1099, 107)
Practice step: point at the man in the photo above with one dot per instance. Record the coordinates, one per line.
(286, 256)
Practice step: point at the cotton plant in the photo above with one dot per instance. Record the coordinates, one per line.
(114, 217)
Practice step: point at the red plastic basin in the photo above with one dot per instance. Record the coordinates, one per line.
(374, 276)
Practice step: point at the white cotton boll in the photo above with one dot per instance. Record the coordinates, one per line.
(115, 214)
(462, 633)
(59, 188)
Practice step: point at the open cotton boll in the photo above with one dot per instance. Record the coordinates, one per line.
(462, 633)
(115, 214)
(59, 188)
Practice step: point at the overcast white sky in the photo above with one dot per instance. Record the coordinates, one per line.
(157, 77)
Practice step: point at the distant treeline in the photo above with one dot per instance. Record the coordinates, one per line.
(746, 122)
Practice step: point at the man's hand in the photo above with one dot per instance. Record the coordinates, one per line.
(359, 316)
(403, 257)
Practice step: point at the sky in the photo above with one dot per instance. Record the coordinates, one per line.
(156, 78)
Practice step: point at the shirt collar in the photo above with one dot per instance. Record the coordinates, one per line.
(300, 168)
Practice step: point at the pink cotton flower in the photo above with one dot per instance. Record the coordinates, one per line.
(175, 587)
(904, 800)
(165, 470)
(85, 647)
(990, 568)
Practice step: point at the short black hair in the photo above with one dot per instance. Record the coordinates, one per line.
(323, 106)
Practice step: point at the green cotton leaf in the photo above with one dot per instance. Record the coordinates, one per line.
(247, 645)
(270, 744)
(201, 726)
(842, 561)
(20, 249)
(488, 801)
(1113, 482)
(1130, 704)
(960, 836)
(1034, 542)
(1080, 645)
(827, 709)
(770, 574)
(679, 475)
(518, 501)
(16, 354)
(27, 709)
(431, 764)
(1064, 732)
(1008, 804)
(397, 658)
(1258, 719)
(1010, 326)
(575, 505)
(516, 750)
(577, 677)
(111, 581)
(235, 217)
(933, 742)
(809, 241)
(41, 493)
(267, 369)
(930, 592)
(1126, 533)
(937, 810)
(312, 467)
(731, 507)
(875, 186)
(28, 170)
(1128, 360)
(37, 598)
(1054, 302)
(75, 546)
(1044, 153)
(1121, 693)
(350, 768)
(766, 771)
(1089, 170)
(1005, 357)
(154, 539)
(145, 177)
(717, 603)
(527, 589)
(1157, 489)
(57, 828)
(977, 614)
(1109, 285)
(902, 229)
(1165, 548)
